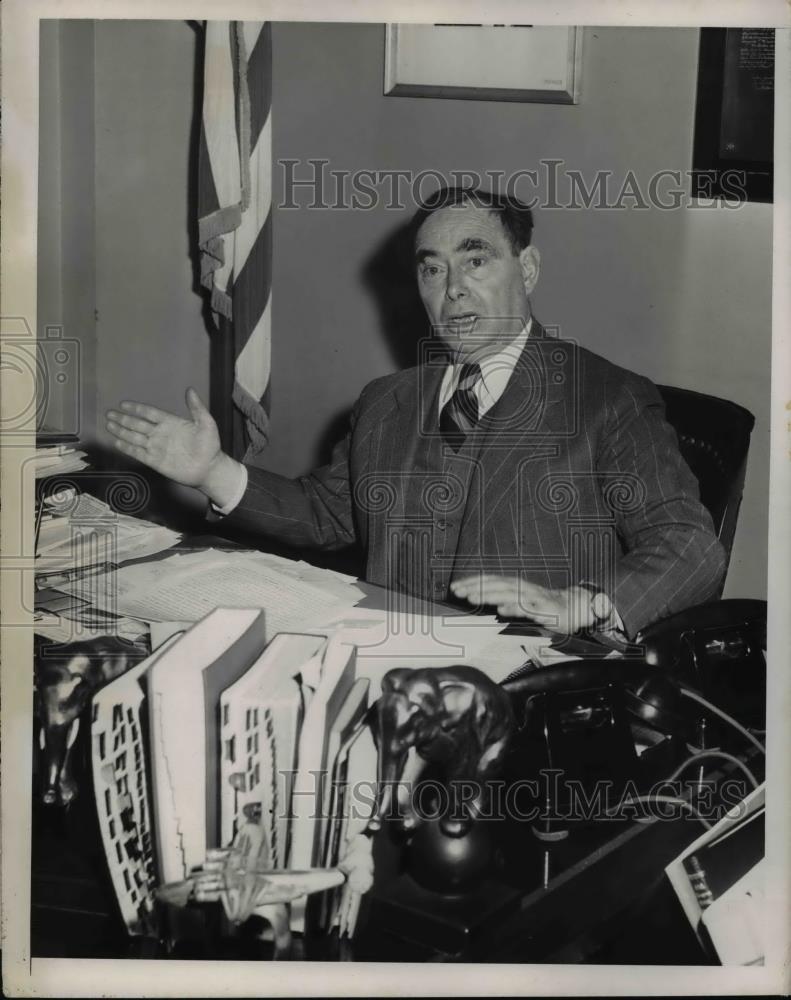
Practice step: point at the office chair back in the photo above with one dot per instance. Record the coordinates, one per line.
(714, 438)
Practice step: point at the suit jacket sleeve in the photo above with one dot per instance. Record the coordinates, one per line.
(314, 510)
(671, 558)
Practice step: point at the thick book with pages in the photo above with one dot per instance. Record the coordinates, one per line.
(261, 718)
(185, 686)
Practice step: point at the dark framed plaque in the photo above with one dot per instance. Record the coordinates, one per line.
(734, 114)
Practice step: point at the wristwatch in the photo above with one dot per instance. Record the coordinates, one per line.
(600, 605)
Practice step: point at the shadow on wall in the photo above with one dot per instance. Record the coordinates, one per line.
(389, 277)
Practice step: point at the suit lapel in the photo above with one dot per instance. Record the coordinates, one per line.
(416, 398)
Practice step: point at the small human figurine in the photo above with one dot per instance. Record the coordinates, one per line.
(357, 864)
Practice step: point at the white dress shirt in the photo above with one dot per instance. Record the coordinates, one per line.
(240, 473)
(495, 373)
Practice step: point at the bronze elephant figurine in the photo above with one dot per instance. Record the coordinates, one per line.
(455, 717)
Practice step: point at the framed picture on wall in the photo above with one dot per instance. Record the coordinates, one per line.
(484, 62)
(734, 114)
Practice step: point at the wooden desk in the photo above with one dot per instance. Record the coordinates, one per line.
(609, 904)
(599, 896)
(579, 905)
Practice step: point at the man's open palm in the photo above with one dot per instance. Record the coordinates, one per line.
(181, 449)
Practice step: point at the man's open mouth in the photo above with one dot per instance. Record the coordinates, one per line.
(463, 319)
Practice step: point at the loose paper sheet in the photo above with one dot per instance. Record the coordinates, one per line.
(188, 587)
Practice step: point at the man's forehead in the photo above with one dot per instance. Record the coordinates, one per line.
(449, 227)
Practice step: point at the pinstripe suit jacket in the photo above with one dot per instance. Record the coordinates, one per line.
(572, 476)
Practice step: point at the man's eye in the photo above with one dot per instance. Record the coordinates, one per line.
(477, 261)
(429, 270)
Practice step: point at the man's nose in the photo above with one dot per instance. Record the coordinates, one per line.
(456, 289)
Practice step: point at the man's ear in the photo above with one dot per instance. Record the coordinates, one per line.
(530, 262)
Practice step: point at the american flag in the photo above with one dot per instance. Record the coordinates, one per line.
(235, 215)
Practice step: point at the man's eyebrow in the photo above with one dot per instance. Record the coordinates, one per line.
(467, 244)
(422, 255)
(476, 243)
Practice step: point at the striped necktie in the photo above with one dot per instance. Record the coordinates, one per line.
(460, 414)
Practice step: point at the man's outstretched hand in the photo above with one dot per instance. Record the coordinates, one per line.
(186, 450)
(565, 611)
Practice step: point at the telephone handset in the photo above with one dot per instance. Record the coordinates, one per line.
(710, 645)
(717, 649)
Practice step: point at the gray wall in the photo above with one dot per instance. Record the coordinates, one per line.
(66, 216)
(150, 336)
(682, 296)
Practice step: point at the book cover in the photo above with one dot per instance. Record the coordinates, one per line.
(119, 756)
(722, 856)
(715, 866)
(346, 724)
(334, 683)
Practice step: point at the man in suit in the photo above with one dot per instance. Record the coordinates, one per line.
(509, 468)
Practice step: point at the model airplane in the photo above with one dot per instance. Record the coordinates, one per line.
(239, 877)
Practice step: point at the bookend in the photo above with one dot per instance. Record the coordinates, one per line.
(460, 723)
(67, 676)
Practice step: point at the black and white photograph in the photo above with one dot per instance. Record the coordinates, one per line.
(395, 499)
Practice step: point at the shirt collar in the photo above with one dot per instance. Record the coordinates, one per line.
(496, 370)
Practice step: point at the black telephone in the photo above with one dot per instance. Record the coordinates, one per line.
(633, 719)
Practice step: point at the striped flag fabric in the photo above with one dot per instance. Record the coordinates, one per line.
(235, 214)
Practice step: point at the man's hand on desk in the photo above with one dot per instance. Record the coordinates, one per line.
(185, 450)
(565, 611)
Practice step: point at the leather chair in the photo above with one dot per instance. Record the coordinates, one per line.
(714, 438)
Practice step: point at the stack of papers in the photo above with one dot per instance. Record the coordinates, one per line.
(58, 460)
(187, 587)
(329, 581)
(80, 531)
